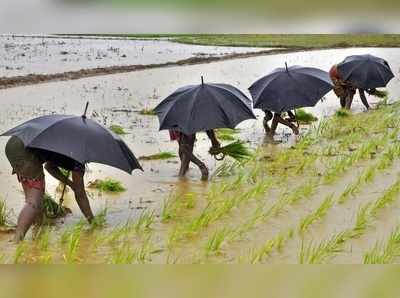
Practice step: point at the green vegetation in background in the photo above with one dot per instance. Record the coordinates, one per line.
(294, 41)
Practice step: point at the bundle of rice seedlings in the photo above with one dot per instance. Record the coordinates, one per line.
(52, 208)
(227, 134)
(237, 150)
(304, 117)
(379, 93)
(109, 185)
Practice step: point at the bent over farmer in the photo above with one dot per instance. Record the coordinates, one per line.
(186, 146)
(27, 164)
(346, 91)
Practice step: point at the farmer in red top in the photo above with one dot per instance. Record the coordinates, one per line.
(345, 91)
(186, 146)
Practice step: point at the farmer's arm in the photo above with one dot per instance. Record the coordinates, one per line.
(80, 194)
(214, 141)
(292, 116)
(363, 98)
(56, 173)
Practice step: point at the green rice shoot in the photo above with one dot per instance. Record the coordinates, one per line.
(147, 112)
(108, 185)
(305, 117)
(158, 156)
(117, 129)
(236, 150)
(342, 113)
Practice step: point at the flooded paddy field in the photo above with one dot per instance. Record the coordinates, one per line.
(23, 55)
(319, 198)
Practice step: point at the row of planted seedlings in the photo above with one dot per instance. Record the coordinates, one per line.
(222, 200)
(322, 251)
(257, 254)
(262, 252)
(132, 242)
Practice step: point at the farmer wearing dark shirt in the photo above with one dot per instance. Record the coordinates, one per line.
(276, 119)
(186, 146)
(27, 164)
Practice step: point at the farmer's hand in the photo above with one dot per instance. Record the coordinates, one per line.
(214, 150)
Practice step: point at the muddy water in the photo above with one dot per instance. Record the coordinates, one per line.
(44, 55)
(116, 99)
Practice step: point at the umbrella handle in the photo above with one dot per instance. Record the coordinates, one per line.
(86, 108)
(219, 157)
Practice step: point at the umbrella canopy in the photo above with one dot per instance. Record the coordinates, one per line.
(290, 88)
(365, 71)
(76, 137)
(203, 107)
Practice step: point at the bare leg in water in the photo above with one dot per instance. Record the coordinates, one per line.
(186, 145)
(268, 116)
(278, 119)
(363, 98)
(30, 213)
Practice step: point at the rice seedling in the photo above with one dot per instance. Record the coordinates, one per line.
(304, 117)
(144, 222)
(258, 255)
(384, 253)
(236, 150)
(5, 214)
(124, 254)
(20, 252)
(214, 243)
(108, 185)
(117, 129)
(43, 238)
(71, 239)
(226, 169)
(43, 244)
(147, 112)
(342, 113)
(317, 215)
(319, 253)
(100, 219)
(159, 156)
(389, 196)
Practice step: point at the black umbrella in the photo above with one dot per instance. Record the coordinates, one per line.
(365, 71)
(203, 107)
(77, 137)
(290, 88)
